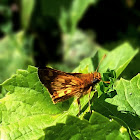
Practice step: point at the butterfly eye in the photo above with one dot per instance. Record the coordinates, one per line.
(95, 80)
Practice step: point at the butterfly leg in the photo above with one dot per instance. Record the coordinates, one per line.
(89, 99)
(79, 105)
(89, 102)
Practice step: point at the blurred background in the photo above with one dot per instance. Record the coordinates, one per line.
(61, 33)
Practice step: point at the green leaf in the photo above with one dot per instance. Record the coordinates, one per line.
(70, 17)
(27, 108)
(14, 55)
(98, 127)
(26, 12)
(118, 58)
(124, 104)
(108, 88)
(6, 16)
(127, 99)
(28, 104)
(121, 122)
(137, 134)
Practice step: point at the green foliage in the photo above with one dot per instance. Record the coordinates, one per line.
(26, 108)
(123, 103)
(98, 127)
(116, 59)
(27, 111)
(127, 98)
(13, 54)
(6, 26)
(27, 9)
(66, 13)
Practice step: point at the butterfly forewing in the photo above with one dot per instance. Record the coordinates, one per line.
(61, 85)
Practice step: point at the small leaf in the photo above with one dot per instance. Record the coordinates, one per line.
(107, 88)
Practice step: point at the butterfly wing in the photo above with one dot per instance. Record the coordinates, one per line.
(61, 85)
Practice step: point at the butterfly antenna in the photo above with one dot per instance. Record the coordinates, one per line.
(100, 62)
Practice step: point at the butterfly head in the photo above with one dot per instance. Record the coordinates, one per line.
(96, 77)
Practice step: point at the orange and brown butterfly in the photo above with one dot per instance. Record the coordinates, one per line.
(62, 85)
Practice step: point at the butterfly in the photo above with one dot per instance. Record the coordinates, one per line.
(63, 85)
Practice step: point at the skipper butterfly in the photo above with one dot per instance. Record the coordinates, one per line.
(62, 85)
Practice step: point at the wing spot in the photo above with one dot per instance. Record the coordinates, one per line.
(61, 80)
(61, 93)
(73, 82)
(68, 91)
(68, 86)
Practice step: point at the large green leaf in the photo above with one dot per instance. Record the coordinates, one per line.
(124, 104)
(127, 99)
(128, 92)
(97, 128)
(27, 108)
(28, 104)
